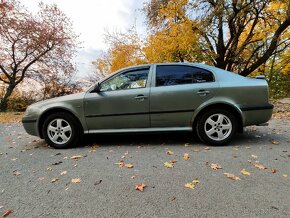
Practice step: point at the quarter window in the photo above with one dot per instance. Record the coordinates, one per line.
(129, 80)
(170, 75)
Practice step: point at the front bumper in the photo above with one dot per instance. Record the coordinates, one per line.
(30, 126)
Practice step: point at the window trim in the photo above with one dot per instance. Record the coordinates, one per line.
(182, 65)
(126, 71)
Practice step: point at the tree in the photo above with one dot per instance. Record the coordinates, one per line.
(230, 30)
(125, 49)
(28, 42)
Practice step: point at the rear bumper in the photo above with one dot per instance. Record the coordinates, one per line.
(255, 115)
(30, 126)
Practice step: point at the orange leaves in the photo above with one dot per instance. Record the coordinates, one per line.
(129, 165)
(7, 213)
(140, 187)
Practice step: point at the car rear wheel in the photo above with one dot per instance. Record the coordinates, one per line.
(217, 127)
(60, 130)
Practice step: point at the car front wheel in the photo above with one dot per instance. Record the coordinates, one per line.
(217, 127)
(60, 130)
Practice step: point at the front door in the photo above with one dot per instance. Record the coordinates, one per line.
(121, 102)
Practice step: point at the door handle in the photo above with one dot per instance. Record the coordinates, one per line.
(140, 97)
(203, 92)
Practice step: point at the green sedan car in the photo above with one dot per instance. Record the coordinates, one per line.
(214, 103)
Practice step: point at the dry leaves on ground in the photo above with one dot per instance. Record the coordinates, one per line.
(129, 165)
(76, 180)
(168, 164)
(192, 184)
(245, 172)
(7, 212)
(232, 176)
(140, 187)
(53, 180)
(169, 152)
(260, 166)
(186, 156)
(76, 157)
(63, 173)
(215, 166)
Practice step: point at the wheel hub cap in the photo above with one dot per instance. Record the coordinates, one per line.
(218, 127)
(59, 131)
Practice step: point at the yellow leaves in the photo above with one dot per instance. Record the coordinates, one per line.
(76, 180)
(275, 142)
(168, 164)
(215, 166)
(120, 164)
(232, 176)
(169, 152)
(192, 184)
(92, 151)
(254, 156)
(244, 172)
(260, 166)
(186, 156)
(187, 145)
(140, 187)
(285, 175)
(76, 157)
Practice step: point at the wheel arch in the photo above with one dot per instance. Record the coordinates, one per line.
(55, 110)
(220, 105)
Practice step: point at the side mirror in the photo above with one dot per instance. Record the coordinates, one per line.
(96, 88)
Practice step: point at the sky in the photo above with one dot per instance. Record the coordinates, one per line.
(91, 18)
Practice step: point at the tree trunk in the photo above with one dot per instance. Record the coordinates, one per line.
(4, 100)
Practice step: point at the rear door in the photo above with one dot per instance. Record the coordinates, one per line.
(122, 102)
(178, 91)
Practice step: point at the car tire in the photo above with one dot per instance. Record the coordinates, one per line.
(216, 127)
(61, 130)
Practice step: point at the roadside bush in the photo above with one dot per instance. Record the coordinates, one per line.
(279, 85)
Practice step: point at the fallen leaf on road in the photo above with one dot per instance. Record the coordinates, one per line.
(76, 180)
(76, 157)
(285, 175)
(206, 148)
(133, 177)
(98, 182)
(41, 178)
(120, 164)
(129, 165)
(16, 173)
(173, 161)
(169, 152)
(244, 172)
(187, 144)
(91, 151)
(195, 150)
(260, 166)
(215, 166)
(95, 146)
(254, 156)
(168, 164)
(248, 147)
(54, 180)
(57, 163)
(274, 171)
(191, 185)
(232, 176)
(63, 173)
(7, 213)
(186, 156)
(288, 155)
(275, 142)
(140, 187)
(14, 159)
(49, 169)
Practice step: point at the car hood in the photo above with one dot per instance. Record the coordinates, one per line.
(66, 98)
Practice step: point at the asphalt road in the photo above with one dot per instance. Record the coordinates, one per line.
(28, 165)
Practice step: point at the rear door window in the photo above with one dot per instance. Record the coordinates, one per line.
(170, 75)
